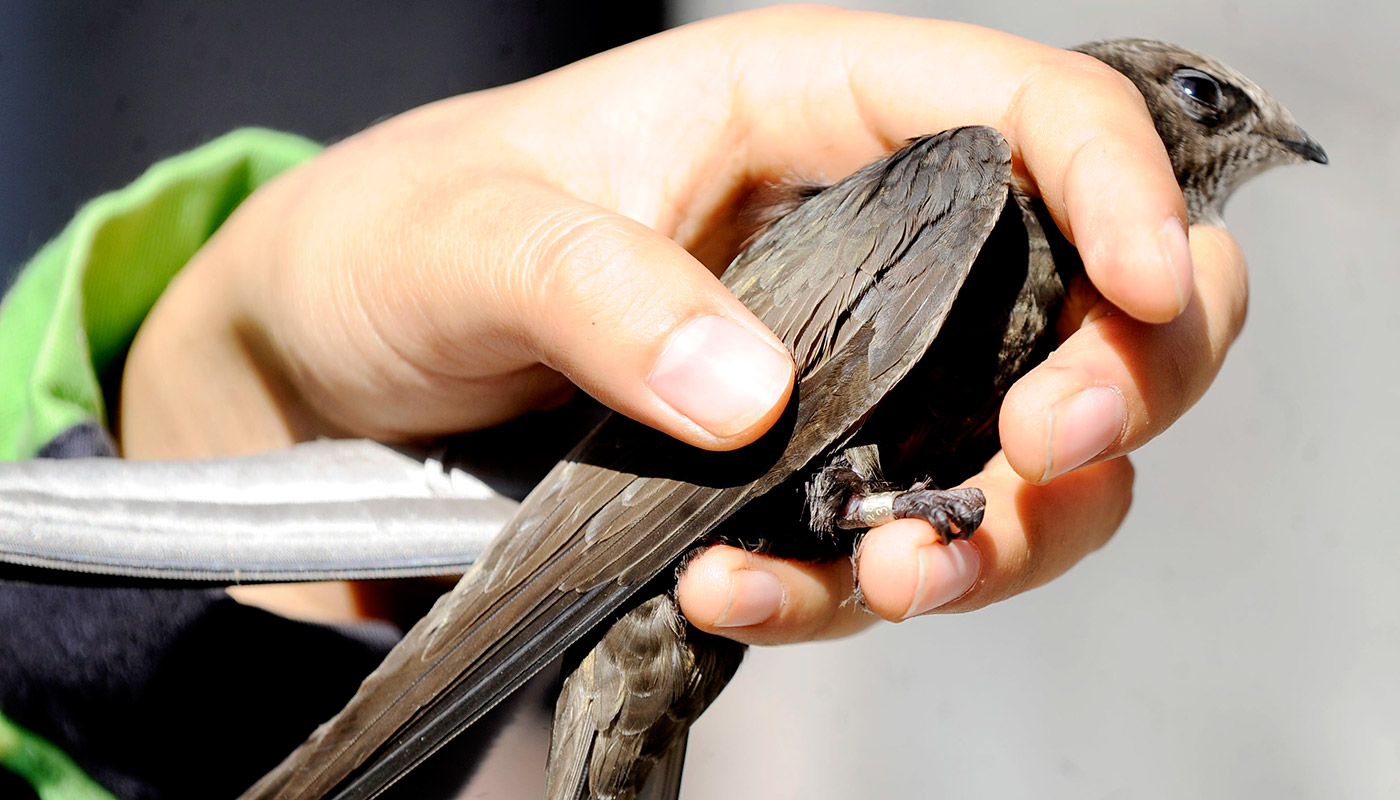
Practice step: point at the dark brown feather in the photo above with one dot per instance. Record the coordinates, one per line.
(857, 304)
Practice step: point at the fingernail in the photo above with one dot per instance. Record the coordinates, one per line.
(1081, 427)
(1177, 250)
(722, 376)
(946, 572)
(754, 596)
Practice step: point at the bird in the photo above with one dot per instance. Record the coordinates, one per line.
(925, 269)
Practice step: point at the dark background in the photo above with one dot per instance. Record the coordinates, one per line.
(93, 93)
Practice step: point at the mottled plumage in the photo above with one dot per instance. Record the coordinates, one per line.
(1219, 126)
(616, 515)
(912, 295)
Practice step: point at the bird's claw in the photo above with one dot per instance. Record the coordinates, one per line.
(954, 513)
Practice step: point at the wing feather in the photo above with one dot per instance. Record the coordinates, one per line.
(857, 282)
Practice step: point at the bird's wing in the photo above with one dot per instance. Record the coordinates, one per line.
(856, 282)
(624, 712)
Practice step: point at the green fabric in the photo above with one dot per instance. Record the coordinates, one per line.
(53, 775)
(78, 303)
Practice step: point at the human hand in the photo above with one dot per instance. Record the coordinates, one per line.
(472, 259)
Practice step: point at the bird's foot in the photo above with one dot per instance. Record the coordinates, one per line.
(954, 513)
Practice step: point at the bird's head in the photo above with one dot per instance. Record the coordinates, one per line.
(1219, 127)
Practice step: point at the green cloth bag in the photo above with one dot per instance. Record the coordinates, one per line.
(79, 301)
(76, 308)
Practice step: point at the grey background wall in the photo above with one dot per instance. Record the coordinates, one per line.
(1241, 635)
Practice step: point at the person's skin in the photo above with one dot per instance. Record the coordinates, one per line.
(474, 259)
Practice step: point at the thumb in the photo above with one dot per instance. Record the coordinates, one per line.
(631, 318)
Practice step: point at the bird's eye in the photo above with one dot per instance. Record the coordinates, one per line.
(1201, 92)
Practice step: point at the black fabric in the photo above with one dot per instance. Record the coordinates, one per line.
(168, 692)
(87, 439)
(12, 787)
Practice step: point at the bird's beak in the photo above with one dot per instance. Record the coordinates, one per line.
(1304, 145)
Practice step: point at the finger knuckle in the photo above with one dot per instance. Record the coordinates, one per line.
(1110, 117)
(801, 11)
(1093, 75)
(1168, 366)
(576, 264)
(1066, 77)
(1184, 362)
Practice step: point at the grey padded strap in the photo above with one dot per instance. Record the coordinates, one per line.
(323, 510)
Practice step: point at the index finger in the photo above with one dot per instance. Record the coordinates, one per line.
(1080, 132)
